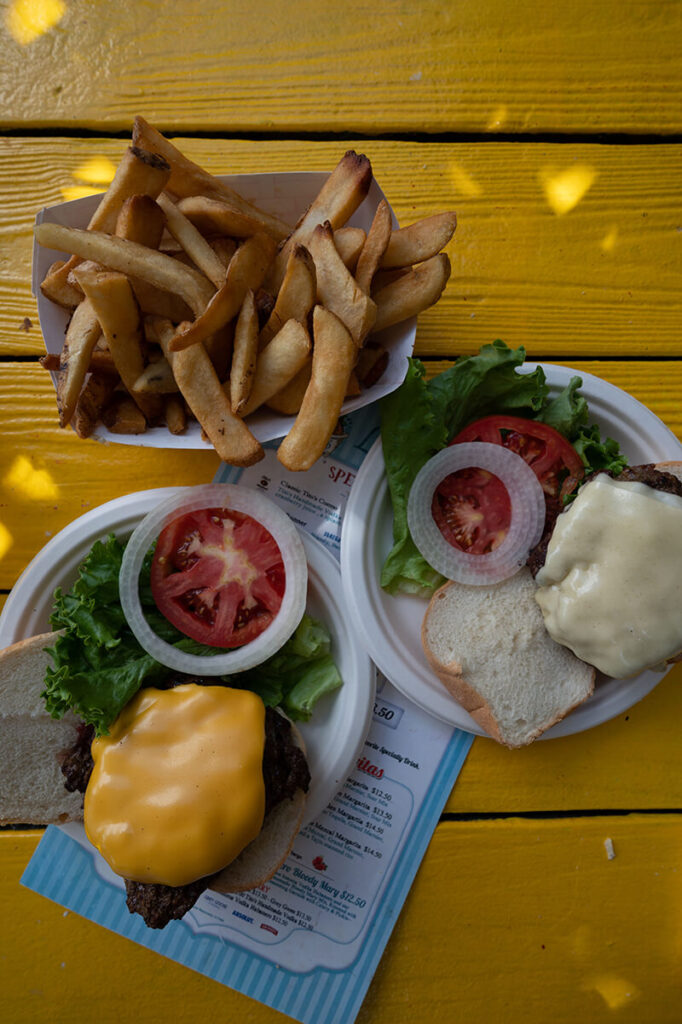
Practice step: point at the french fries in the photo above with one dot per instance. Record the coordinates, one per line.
(334, 354)
(190, 301)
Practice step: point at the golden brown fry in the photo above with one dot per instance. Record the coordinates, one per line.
(334, 354)
(58, 288)
(218, 217)
(201, 389)
(188, 179)
(412, 293)
(81, 336)
(114, 305)
(278, 363)
(93, 398)
(419, 241)
(192, 241)
(375, 246)
(349, 242)
(288, 399)
(141, 220)
(175, 415)
(384, 277)
(247, 269)
(156, 379)
(338, 199)
(244, 354)
(353, 388)
(122, 415)
(155, 302)
(131, 259)
(296, 296)
(140, 172)
(337, 288)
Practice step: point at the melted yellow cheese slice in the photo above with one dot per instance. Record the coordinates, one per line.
(177, 788)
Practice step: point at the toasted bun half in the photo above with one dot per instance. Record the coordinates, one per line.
(31, 783)
(489, 647)
(268, 851)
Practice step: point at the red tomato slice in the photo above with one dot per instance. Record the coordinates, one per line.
(218, 576)
(553, 459)
(472, 510)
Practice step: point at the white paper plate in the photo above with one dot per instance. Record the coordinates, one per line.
(336, 732)
(391, 626)
(288, 195)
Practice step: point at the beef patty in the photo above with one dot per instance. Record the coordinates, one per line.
(285, 770)
(645, 474)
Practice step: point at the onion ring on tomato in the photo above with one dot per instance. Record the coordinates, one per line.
(285, 533)
(527, 513)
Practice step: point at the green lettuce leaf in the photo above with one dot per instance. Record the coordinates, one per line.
(421, 417)
(99, 665)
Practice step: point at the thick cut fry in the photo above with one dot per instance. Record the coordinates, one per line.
(338, 199)
(296, 296)
(131, 259)
(419, 241)
(81, 336)
(203, 392)
(336, 287)
(374, 247)
(412, 293)
(58, 288)
(155, 302)
(188, 179)
(278, 363)
(141, 220)
(140, 172)
(192, 241)
(156, 379)
(92, 400)
(218, 217)
(334, 354)
(123, 416)
(175, 415)
(247, 269)
(244, 354)
(119, 316)
(349, 242)
(288, 400)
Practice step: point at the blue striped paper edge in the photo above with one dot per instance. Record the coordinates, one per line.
(63, 871)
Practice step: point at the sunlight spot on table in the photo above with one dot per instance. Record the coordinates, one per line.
(463, 181)
(616, 992)
(28, 19)
(24, 477)
(565, 189)
(497, 118)
(97, 171)
(608, 242)
(6, 540)
(79, 191)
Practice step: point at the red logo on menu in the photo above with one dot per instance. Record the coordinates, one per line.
(269, 928)
(319, 864)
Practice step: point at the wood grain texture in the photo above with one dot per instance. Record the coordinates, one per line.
(507, 921)
(599, 280)
(386, 66)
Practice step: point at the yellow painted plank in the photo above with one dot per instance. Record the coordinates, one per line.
(509, 920)
(600, 279)
(354, 66)
(48, 476)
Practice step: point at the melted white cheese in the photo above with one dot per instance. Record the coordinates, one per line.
(611, 586)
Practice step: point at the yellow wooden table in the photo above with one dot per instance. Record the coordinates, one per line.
(555, 131)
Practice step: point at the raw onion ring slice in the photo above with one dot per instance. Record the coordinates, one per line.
(527, 513)
(285, 533)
